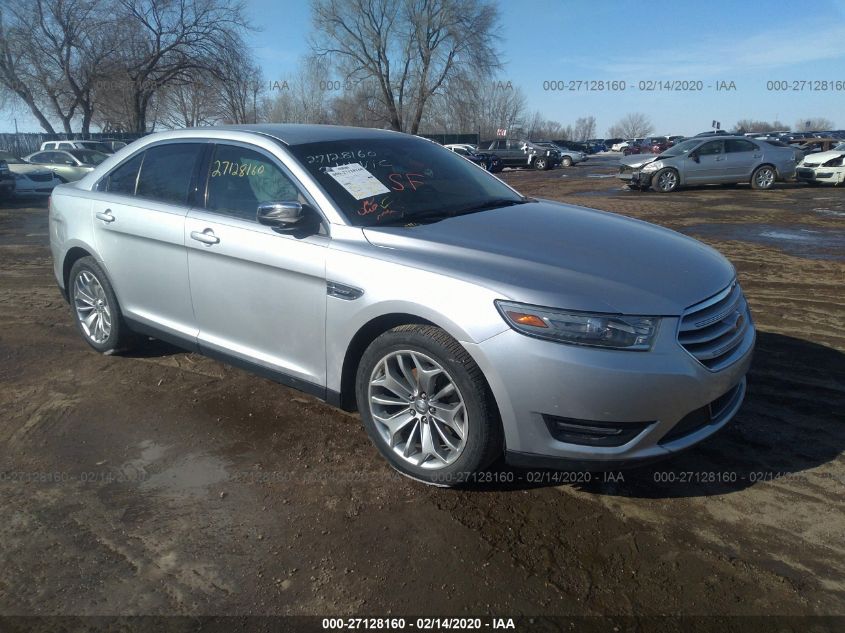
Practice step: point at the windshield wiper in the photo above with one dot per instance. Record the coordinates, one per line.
(492, 204)
(435, 215)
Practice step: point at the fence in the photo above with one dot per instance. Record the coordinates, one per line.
(25, 143)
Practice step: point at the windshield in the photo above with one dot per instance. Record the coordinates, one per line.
(377, 182)
(840, 147)
(10, 159)
(684, 147)
(88, 156)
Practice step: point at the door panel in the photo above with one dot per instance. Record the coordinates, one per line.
(742, 157)
(257, 294)
(142, 239)
(710, 167)
(143, 247)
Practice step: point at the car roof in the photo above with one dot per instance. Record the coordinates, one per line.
(299, 134)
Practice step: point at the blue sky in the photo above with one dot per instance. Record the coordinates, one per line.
(747, 43)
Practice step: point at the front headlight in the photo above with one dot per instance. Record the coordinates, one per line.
(653, 166)
(580, 328)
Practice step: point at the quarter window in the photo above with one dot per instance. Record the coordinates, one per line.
(167, 171)
(240, 178)
(122, 180)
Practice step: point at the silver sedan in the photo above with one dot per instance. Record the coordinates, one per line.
(384, 273)
(708, 160)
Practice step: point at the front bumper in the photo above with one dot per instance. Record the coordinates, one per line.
(661, 394)
(831, 175)
(638, 178)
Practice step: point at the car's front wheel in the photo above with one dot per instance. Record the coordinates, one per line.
(95, 308)
(566, 161)
(540, 163)
(426, 406)
(666, 180)
(763, 177)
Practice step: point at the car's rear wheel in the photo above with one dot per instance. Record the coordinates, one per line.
(763, 177)
(666, 180)
(540, 163)
(426, 406)
(566, 161)
(95, 308)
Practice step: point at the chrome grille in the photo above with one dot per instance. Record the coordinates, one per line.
(713, 330)
(40, 177)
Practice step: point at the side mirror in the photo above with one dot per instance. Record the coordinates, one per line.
(284, 217)
(694, 156)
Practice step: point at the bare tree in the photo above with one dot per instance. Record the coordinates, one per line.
(763, 127)
(633, 125)
(814, 123)
(304, 98)
(585, 127)
(410, 49)
(165, 43)
(15, 73)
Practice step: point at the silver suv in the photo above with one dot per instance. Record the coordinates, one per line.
(383, 273)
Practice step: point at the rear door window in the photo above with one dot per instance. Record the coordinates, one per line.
(739, 145)
(167, 172)
(122, 180)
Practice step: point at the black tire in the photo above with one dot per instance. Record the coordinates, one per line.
(763, 178)
(484, 439)
(120, 336)
(540, 163)
(668, 176)
(566, 161)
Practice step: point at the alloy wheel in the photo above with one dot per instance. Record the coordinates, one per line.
(667, 181)
(92, 307)
(765, 177)
(418, 409)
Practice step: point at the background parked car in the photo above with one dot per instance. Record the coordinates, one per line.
(29, 179)
(823, 167)
(568, 157)
(708, 160)
(815, 145)
(68, 165)
(7, 181)
(113, 143)
(618, 147)
(97, 146)
(490, 162)
(515, 153)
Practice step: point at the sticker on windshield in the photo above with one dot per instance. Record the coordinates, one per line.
(357, 180)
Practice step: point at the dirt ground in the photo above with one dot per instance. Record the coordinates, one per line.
(165, 482)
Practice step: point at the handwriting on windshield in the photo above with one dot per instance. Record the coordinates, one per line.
(330, 158)
(399, 182)
(379, 207)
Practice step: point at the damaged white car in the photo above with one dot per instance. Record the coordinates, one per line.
(827, 167)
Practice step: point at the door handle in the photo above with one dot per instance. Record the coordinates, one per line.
(106, 216)
(719, 159)
(207, 237)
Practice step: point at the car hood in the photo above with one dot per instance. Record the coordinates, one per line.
(817, 158)
(638, 160)
(551, 254)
